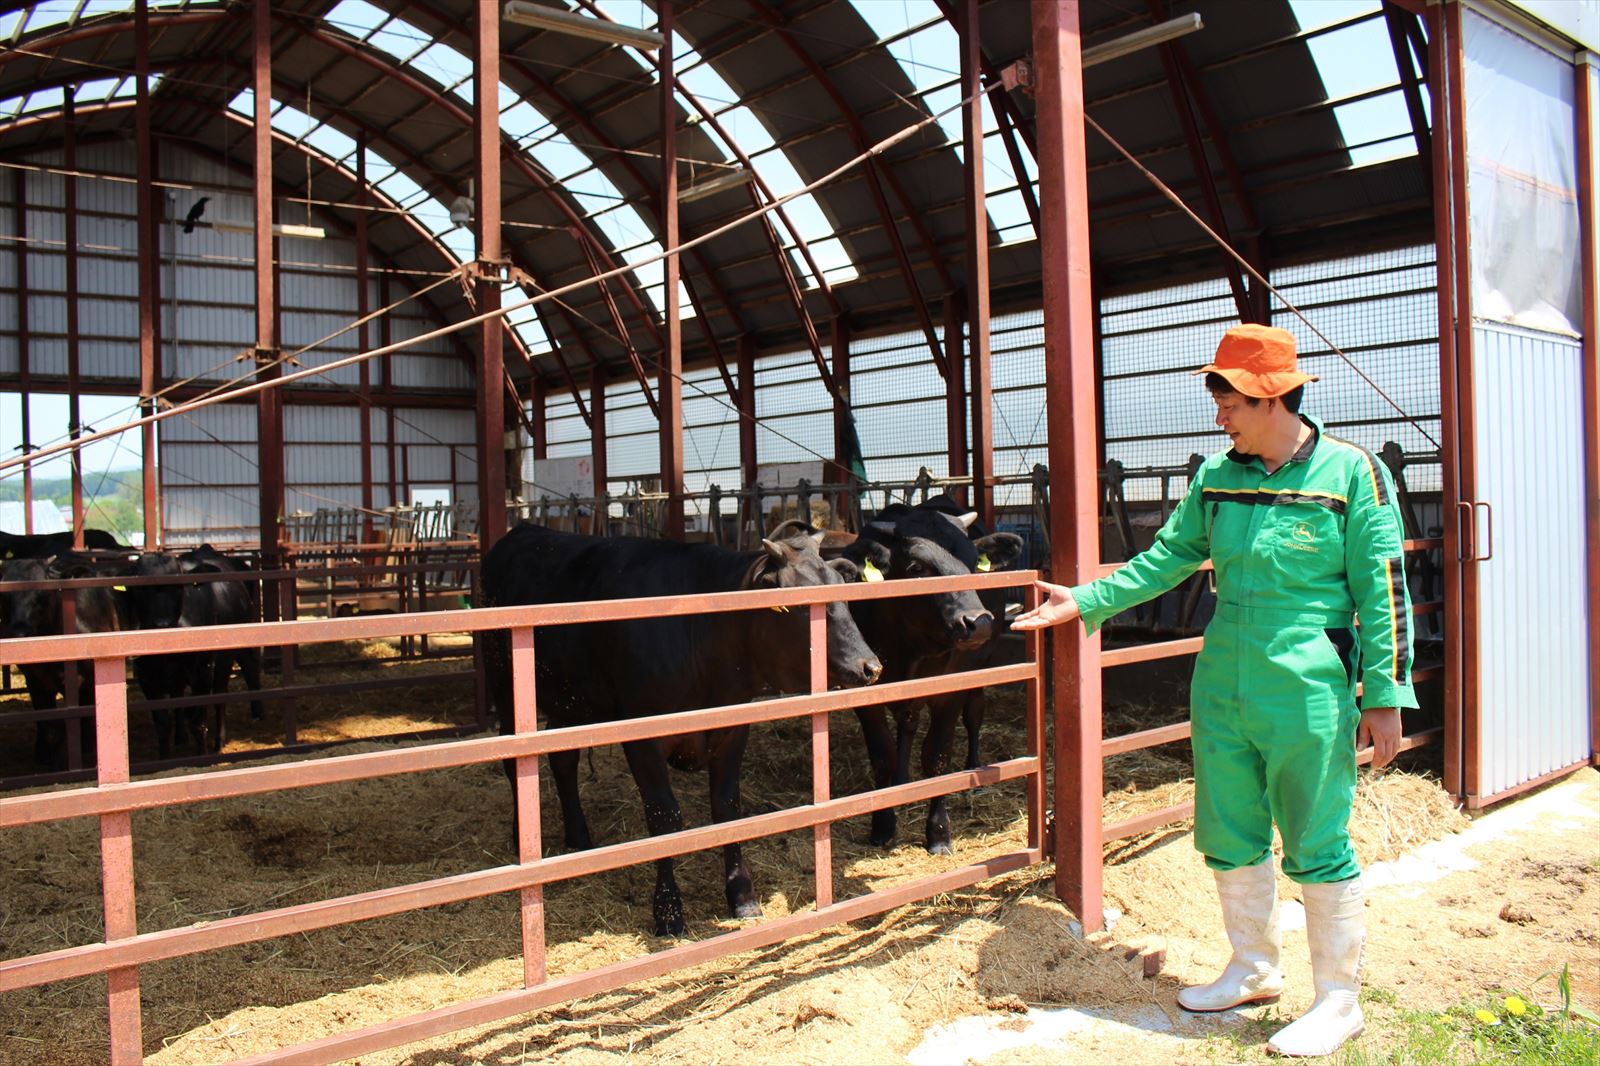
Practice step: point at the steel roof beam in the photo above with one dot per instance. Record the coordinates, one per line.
(1400, 23)
(872, 168)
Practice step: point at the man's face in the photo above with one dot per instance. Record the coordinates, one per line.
(1245, 424)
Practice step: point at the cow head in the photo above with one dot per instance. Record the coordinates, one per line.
(155, 606)
(791, 561)
(34, 613)
(931, 542)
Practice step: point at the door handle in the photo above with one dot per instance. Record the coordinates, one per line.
(1468, 551)
(1488, 530)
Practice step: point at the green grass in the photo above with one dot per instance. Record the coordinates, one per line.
(1508, 1028)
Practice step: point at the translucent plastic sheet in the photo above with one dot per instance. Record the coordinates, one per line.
(1521, 181)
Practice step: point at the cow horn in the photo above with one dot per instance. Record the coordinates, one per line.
(776, 550)
(963, 520)
(817, 537)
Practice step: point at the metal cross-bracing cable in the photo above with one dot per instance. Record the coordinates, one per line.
(1166, 191)
(485, 316)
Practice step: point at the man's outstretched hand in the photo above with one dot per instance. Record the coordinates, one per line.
(1057, 606)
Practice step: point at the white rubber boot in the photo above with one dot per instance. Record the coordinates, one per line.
(1336, 924)
(1250, 913)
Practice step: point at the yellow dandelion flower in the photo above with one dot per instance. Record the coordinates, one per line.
(1516, 1006)
(1485, 1017)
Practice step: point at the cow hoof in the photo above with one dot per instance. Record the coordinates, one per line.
(673, 929)
(940, 847)
(882, 841)
(748, 909)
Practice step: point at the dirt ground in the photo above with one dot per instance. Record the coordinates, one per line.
(993, 974)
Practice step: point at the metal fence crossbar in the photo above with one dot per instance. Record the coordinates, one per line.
(116, 797)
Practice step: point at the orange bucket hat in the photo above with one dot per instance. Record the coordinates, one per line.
(1258, 361)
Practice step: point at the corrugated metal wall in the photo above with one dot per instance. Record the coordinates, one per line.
(1533, 654)
(209, 469)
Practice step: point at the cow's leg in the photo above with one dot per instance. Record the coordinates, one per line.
(726, 759)
(880, 753)
(564, 766)
(250, 669)
(662, 815)
(49, 737)
(221, 674)
(935, 761)
(972, 718)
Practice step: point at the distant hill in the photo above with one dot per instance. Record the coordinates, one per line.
(60, 488)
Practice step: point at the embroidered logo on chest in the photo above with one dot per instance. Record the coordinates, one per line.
(1303, 538)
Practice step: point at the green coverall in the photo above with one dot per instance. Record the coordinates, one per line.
(1300, 555)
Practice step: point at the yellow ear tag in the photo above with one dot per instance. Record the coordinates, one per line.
(869, 572)
(984, 565)
(119, 588)
(781, 610)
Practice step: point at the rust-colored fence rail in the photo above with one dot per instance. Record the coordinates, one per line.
(115, 797)
(408, 574)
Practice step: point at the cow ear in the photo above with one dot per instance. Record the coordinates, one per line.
(847, 570)
(1003, 549)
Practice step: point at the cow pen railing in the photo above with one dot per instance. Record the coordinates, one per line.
(115, 797)
(409, 571)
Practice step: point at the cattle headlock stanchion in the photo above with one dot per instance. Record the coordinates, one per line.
(114, 798)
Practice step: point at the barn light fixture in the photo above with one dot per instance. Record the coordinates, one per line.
(542, 17)
(1160, 33)
(731, 179)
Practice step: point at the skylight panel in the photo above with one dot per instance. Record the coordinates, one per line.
(95, 91)
(448, 67)
(1353, 60)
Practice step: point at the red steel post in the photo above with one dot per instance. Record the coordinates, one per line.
(977, 288)
(491, 332)
(671, 387)
(597, 434)
(843, 414)
(269, 405)
(70, 228)
(955, 384)
(746, 399)
(149, 251)
(524, 707)
(364, 341)
(1585, 99)
(1069, 396)
(537, 396)
(116, 855)
(24, 384)
(821, 772)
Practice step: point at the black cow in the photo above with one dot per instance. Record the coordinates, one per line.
(605, 671)
(969, 704)
(183, 604)
(921, 636)
(46, 545)
(37, 613)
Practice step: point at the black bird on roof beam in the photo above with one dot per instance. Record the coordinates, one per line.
(194, 214)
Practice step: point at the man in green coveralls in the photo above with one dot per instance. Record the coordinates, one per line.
(1304, 532)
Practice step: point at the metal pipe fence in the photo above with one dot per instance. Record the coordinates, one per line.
(115, 797)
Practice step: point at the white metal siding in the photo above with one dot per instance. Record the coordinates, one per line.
(1533, 655)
